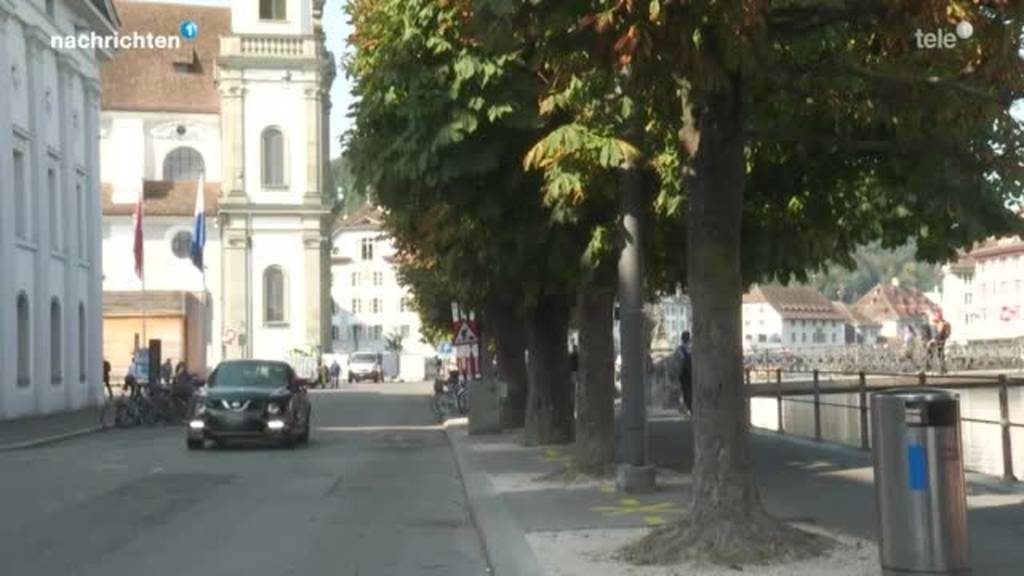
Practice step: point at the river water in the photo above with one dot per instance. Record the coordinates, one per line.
(982, 442)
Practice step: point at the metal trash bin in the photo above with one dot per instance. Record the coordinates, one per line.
(919, 482)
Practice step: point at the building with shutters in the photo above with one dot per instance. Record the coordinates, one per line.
(369, 306)
(245, 103)
(791, 317)
(983, 292)
(50, 295)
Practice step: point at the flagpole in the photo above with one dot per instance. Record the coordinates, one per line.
(142, 259)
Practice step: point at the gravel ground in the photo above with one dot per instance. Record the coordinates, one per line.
(592, 553)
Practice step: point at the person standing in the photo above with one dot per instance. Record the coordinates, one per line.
(335, 373)
(684, 359)
(166, 372)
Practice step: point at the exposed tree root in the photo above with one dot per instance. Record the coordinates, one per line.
(750, 538)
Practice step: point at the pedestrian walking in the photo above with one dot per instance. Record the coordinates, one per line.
(106, 378)
(684, 360)
(335, 373)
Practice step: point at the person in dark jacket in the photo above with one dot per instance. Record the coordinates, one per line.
(684, 357)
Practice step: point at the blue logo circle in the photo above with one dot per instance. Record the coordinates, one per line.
(189, 30)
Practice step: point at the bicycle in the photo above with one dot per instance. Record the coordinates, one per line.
(450, 397)
(130, 408)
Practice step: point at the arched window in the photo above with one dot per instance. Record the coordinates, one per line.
(272, 9)
(24, 342)
(183, 164)
(274, 293)
(56, 341)
(273, 157)
(81, 342)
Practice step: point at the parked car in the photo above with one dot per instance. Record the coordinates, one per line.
(365, 366)
(252, 399)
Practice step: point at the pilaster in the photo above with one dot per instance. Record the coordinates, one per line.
(314, 132)
(35, 40)
(8, 335)
(235, 278)
(70, 222)
(94, 238)
(313, 243)
(232, 94)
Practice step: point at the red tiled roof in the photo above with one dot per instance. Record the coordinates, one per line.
(366, 216)
(164, 198)
(795, 302)
(888, 302)
(853, 316)
(149, 80)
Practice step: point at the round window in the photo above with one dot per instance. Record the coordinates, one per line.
(181, 244)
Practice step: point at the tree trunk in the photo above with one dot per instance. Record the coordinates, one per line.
(595, 406)
(549, 410)
(722, 476)
(509, 331)
(727, 523)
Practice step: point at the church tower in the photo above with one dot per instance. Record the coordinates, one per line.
(274, 75)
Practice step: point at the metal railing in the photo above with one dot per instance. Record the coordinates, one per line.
(775, 386)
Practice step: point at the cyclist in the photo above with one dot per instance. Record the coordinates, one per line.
(937, 345)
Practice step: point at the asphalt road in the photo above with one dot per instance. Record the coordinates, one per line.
(376, 493)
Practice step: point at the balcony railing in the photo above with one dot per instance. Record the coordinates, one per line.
(263, 46)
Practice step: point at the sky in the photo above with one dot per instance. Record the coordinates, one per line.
(337, 28)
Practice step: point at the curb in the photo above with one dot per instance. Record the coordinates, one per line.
(505, 547)
(36, 442)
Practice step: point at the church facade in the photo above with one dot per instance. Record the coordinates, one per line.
(244, 105)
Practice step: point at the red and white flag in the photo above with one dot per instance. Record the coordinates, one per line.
(137, 248)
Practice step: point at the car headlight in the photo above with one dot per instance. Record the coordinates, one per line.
(273, 408)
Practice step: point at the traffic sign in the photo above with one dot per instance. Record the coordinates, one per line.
(466, 334)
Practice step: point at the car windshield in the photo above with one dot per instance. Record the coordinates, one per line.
(250, 375)
(364, 358)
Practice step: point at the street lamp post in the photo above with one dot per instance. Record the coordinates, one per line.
(635, 473)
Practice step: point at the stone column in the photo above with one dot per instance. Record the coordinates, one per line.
(8, 335)
(40, 102)
(314, 133)
(93, 234)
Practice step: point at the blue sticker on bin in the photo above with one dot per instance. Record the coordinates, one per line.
(918, 467)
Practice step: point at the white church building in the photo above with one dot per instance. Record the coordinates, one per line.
(246, 104)
(50, 324)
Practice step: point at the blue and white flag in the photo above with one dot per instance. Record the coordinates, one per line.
(199, 229)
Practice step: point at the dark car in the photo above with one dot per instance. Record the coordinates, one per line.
(249, 399)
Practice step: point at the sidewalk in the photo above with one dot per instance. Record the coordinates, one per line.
(534, 526)
(38, 430)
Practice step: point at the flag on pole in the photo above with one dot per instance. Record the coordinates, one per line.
(137, 248)
(199, 228)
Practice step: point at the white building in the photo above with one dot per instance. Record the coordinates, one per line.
(370, 306)
(983, 292)
(792, 317)
(50, 324)
(245, 103)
